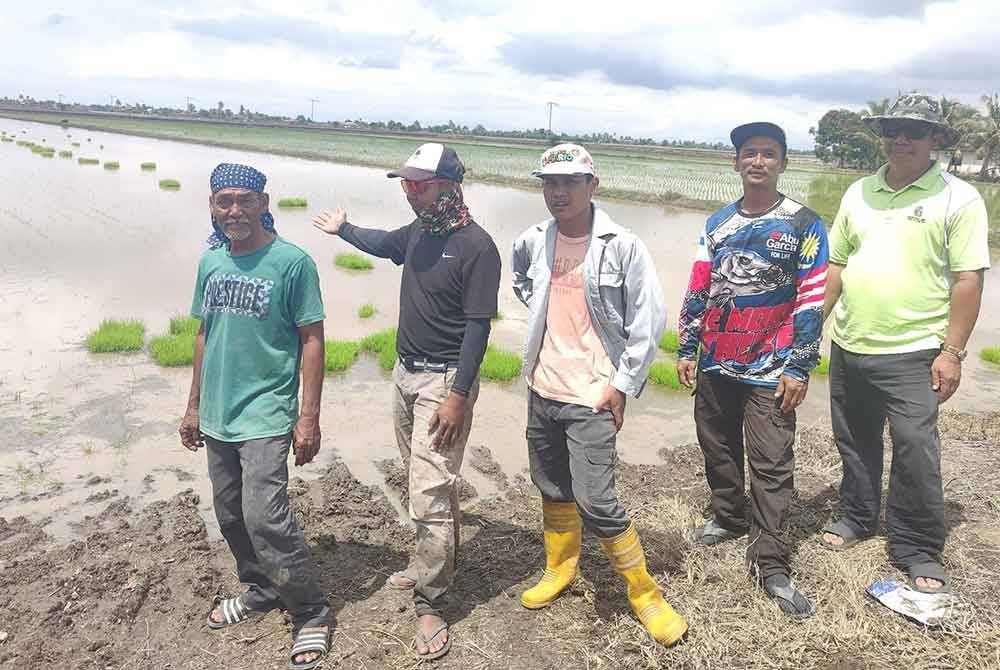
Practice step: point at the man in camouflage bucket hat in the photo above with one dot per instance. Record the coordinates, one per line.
(921, 109)
(907, 253)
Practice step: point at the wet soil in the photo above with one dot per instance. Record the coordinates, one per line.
(134, 591)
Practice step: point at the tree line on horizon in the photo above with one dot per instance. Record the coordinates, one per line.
(244, 115)
(842, 137)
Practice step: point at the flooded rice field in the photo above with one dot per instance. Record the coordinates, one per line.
(82, 244)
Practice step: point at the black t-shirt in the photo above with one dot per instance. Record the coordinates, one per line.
(446, 280)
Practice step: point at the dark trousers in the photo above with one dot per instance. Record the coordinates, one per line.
(733, 418)
(865, 390)
(571, 453)
(250, 492)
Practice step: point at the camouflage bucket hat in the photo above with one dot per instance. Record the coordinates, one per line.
(915, 107)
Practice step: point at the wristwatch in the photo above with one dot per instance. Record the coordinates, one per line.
(960, 354)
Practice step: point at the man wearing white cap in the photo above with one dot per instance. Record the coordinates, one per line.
(596, 315)
(447, 296)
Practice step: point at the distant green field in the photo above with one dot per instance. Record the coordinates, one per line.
(641, 173)
(644, 174)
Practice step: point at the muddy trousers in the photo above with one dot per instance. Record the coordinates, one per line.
(572, 455)
(865, 391)
(736, 420)
(432, 479)
(250, 492)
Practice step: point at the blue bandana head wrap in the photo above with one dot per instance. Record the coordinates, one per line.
(234, 175)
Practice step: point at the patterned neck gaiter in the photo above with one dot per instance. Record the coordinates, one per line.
(447, 214)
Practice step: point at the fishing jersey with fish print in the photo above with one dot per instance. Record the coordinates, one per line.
(754, 303)
(251, 306)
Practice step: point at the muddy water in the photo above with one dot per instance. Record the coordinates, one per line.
(81, 244)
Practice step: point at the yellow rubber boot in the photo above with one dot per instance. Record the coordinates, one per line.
(627, 557)
(562, 527)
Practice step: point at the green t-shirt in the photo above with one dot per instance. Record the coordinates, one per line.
(899, 249)
(252, 306)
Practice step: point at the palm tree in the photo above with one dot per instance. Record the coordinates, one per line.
(876, 107)
(985, 135)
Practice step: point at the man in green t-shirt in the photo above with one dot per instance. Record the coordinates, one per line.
(907, 254)
(258, 299)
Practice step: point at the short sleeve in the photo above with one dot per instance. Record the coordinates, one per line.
(198, 300)
(305, 301)
(481, 282)
(968, 238)
(841, 242)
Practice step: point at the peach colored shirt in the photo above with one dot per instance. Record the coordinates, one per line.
(572, 364)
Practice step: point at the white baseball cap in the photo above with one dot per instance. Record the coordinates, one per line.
(564, 159)
(431, 160)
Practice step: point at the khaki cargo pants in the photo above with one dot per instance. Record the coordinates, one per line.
(432, 480)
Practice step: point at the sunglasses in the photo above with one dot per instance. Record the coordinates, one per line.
(418, 187)
(911, 131)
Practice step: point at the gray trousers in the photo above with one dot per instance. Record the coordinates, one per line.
(865, 390)
(250, 492)
(571, 454)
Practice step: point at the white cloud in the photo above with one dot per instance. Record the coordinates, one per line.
(659, 69)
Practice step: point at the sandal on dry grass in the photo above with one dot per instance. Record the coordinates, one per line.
(846, 532)
(426, 639)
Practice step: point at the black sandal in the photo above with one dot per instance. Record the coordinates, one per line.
(233, 612)
(317, 639)
(792, 602)
(928, 570)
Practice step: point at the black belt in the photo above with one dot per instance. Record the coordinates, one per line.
(427, 365)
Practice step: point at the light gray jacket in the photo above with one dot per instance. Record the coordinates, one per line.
(622, 290)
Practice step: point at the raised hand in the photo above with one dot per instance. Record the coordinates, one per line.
(330, 222)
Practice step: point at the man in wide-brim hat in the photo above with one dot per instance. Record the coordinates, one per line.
(907, 254)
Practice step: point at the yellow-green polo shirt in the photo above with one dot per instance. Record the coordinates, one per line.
(899, 248)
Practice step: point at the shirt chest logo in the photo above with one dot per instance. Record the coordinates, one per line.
(917, 215)
(231, 293)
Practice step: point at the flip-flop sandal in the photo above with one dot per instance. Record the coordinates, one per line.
(928, 570)
(233, 612)
(791, 601)
(426, 639)
(317, 639)
(843, 530)
(712, 534)
(400, 587)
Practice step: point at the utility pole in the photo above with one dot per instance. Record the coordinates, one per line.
(189, 100)
(111, 100)
(312, 108)
(550, 106)
(60, 95)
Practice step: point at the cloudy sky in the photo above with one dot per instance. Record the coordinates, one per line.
(659, 69)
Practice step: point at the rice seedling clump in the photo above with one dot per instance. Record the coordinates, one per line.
(172, 351)
(499, 365)
(990, 354)
(670, 342)
(664, 373)
(293, 202)
(340, 354)
(147, 166)
(366, 311)
(114, 335)
(352, 261)
(170, 184)
(111, 165)
(383, 345)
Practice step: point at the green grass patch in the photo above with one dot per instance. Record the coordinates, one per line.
(111, 165)
(75, 144)
(366, 311)
(499, 365)
(65, 154)
(351, 261)
(114, 335)
(670, 342)
(87, 161)
(184, 325)
(823, 367)
(990, 354)
(148, 165)
(25, 143)
(340, 354)
(172, 351)
(664, 373)
(383, 345)
(293, 202)
(6, 139)
(170, 184)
